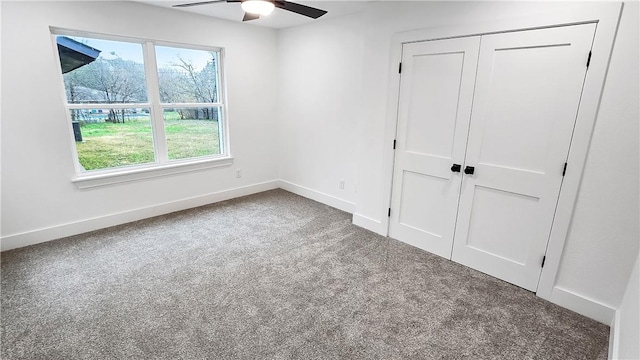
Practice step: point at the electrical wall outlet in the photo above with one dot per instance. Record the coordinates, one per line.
(238, 173)
(341, 184)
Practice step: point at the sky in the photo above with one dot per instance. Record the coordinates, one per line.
(165, 56)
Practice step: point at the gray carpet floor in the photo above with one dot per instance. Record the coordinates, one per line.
(269, 276)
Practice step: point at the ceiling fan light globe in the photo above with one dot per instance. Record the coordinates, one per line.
(258, 7)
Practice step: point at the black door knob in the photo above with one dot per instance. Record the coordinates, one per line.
(456, 167)
(469, 170)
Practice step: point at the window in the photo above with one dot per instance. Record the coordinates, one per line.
(136, 105)
(188, 82)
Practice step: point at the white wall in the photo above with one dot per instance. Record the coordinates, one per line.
(603, 240)
(627, 326)
(320, 88)
(604, 235)
(36, 148)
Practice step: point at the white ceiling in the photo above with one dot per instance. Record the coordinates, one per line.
(277, 20)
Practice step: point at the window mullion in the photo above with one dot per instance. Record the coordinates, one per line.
(81, 106)
(223, 126)
(153, 92)
(191, 105)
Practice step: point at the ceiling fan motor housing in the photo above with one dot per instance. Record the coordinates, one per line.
(256, 8)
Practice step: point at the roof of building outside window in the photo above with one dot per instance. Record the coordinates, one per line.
(74, 54)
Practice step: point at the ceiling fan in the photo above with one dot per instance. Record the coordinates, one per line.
(253, 9)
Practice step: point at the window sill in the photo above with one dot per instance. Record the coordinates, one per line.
(87, 181)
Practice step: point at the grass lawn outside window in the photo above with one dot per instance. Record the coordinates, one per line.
(108, 145)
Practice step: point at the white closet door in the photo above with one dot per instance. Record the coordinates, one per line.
(528, 90)
(436, 92)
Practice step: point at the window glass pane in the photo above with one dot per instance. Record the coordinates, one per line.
(192, 132)
(187, 76)
(108, 138)
(102, 71)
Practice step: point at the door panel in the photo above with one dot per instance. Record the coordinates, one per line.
(526, 100)
(433, 105)
(433, 118)
(487, 233)
(413, 213)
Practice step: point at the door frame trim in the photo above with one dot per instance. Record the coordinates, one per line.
(607, 17)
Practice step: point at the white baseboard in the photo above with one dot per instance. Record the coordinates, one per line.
(582, 305)
(614, 337)
(369, 224)
(318, 196)
(59, 231)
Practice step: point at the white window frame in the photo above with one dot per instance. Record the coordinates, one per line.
(162, 166)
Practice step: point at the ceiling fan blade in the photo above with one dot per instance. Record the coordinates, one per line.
(199, 3)
(248, 17)
(300, 9)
